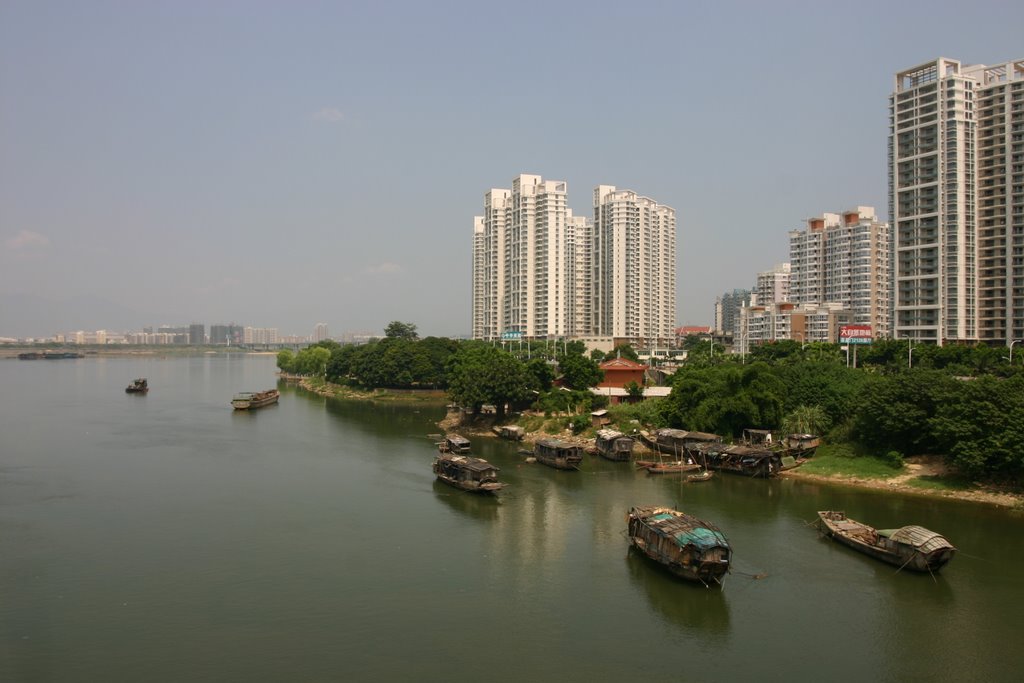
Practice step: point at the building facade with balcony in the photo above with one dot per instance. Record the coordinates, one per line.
(844, 258)
(956, 201)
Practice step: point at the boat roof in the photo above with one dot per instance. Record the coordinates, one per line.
(474, 464)
(918, 537)
(555, 443)
(455, 438)
(608, 434)
(685, 529)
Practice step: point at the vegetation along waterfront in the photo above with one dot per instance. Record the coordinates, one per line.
(952, 424)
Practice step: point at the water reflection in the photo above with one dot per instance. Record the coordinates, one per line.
(481, 507)
(686, 604)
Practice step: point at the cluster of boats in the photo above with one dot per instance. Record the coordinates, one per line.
(691, 548)
(246, 400)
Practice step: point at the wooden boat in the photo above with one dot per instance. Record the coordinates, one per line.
(510, 432)
(257, 399)
(909, 547)
(467, 473)
(689, 547)
(748, 460)
(613, 445)
(138, 386)
(801, 445)
(671, 466)
(558, 454)
(704, 475)
(676, 442)
(453, 443)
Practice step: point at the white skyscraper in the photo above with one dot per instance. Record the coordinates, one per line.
(320, 332)
(539, 271)
(634, 266)
(956, 201)
(525, 261)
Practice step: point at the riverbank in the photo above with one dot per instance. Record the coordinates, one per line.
(920, 476)
(322, 388)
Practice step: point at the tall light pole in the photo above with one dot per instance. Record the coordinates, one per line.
(1011, 348)
(910, 352)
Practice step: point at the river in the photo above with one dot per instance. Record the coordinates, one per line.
(166, 537)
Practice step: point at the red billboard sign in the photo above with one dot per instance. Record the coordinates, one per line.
(855, 334)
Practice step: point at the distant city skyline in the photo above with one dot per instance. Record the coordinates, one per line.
(293, 165)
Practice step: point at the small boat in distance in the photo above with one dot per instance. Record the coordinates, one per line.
(558, 454)
(613, 445)
(510, 432)
(138, 386)
(467, 473)
(453, 443)
(704, 475)
(909, 547)
(688, 547)
(256, 399)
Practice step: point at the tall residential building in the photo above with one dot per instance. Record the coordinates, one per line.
(727, 310)
(772, 286)
(197, 334)
(539, 271)
(522, 281)
(956, 201)
(320, 332)
(999, 103)
(634, 266)
(844, 258)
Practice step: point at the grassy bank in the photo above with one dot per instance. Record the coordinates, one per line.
(419, 396)
(840, 460)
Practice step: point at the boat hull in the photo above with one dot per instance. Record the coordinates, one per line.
(467, 473)
(690, 548)
(257, 400)
(865, 539)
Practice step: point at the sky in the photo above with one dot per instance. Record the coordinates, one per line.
(281, 164)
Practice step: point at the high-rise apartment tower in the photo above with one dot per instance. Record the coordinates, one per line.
(956, 201)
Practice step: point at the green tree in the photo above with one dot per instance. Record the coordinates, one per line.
(807, 420)
(622, 351)
(286, 360)
(579, 372)
(541, 373)
(480, 374)
(400, 330)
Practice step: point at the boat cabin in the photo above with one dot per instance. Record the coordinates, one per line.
(453, 443)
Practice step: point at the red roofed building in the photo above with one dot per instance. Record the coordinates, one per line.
(618, 372)
(692, 330)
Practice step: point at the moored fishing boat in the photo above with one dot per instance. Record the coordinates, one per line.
(510, 432)
(688, 547)
(613, 445)
(558, 454)
(748, 460)
(247, 400)
(467, 473)
(453, 443)
(909, 547)
(138, 386)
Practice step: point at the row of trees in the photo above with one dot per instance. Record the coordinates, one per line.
(975, 422)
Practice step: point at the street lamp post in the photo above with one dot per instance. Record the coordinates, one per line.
(1011, 348)
(910, 352)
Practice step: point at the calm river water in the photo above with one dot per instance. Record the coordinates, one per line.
(167, 537)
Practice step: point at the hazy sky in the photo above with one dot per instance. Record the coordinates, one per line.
(279, 164)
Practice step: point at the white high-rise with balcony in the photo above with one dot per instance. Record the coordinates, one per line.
(956, 201)
(844, 258)
(540, 272)
(526, 261)
(634, 266)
